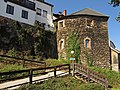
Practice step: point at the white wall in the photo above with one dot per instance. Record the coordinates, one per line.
(42, 19)
(17, 13)
(32, 16)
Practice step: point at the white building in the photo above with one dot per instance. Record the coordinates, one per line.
(28, 11)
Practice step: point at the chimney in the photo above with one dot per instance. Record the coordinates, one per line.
(65, 12)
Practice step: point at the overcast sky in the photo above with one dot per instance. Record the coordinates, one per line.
(98, 5)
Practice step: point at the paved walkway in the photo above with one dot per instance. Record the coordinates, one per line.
(21, 81)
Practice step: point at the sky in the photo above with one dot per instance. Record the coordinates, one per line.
(101, 6)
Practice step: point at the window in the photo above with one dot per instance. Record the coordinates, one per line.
(24, 14)
(10, 9)
(87, 43)
(39, 11)
(61, 43)
(90, 23)
(44, 13)
(43, 25)
(61, 24)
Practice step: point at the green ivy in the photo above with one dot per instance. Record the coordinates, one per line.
(73, 43)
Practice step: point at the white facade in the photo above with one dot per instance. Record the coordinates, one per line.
(48, 20)
(17, 13)
(32, 14)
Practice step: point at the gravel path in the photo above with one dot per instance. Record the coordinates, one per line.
(25, 80)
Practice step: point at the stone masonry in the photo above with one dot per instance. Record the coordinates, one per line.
(90, 26)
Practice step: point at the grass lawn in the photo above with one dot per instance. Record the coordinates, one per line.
(54, 62)
(112, 76)
(115, 88)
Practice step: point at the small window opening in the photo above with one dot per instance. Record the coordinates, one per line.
(61, 24)
(87, 43)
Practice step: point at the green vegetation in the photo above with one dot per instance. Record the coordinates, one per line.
(91, 86)
(54, 62)
(115, 88)
(73, 44)
(2, 65)
(112, 76)
(67, 83)
(62, 83)
(116, 3)
(8, 68)
(88, 57)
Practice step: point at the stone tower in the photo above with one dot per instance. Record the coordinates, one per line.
(93, 35)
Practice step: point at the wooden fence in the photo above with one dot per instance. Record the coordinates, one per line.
(20, 61)
(30, 73)
(91, 75)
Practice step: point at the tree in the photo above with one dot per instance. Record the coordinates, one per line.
(73, 43)
(116, 3)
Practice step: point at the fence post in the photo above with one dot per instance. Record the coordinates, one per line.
(88, 72)
(54, 71)
(106, 84)
(23, 59)
(30, 76)
(69, 68)
(73, 69)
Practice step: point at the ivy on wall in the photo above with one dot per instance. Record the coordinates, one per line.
(73, 43)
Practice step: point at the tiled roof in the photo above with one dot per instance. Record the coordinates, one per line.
(88, 11)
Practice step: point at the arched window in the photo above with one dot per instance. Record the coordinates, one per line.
(87, 43)
(61, 44)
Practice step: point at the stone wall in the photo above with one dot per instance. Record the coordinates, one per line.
(9, 39)
(95, 28)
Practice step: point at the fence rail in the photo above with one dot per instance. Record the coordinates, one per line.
(96, 77)
(21, 61)
(30, 73)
